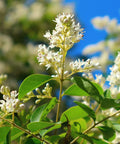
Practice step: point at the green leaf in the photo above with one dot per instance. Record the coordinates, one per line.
(54, 139)
(15, 133)
(42, 111)
(99, 141)
(73, 113)
(31, 82)
(36, 126)
(108, 133)
(90, 112)
(3, 133)
(89, 87)
(107, 93)
(75, 90)
(56, 126)
(109, 103)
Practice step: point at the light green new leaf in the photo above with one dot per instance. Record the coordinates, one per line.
(36, 126)
(73, 113)
(75, 90)
(31, 82)
(89, 87)
(107, 93)
(42, 111)
(90, 112)
(108, 133)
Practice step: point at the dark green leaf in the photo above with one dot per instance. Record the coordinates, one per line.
(88, 87)
(98, 141)
(75, 90)
(31, 82)
(90, 112)
(54, 139)
(107, 94)
(41, 112)
(73, 113)
(109, 103)
(36, 126)
(108, 133)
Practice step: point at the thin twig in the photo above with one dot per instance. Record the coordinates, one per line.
(24, 130)
(91, 127)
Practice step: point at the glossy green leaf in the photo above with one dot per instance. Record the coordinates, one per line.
(75, 90)
(88, 110)
(42, 111)
(31, 82)
(109, 103)
(3, 133)
(36, 126)
(89, 88)
(73, 113)
(108, 133)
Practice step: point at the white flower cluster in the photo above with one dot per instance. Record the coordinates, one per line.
(49, 58)
(110, 26)
(114, 77)
(83, 66)
(10, 102)
(66, 32)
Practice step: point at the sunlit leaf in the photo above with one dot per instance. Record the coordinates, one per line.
(73, 113)
(31, 82)
(36, 126)
(87, 109)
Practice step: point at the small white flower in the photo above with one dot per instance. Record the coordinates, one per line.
(66, 32)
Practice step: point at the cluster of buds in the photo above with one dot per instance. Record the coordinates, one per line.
(46, 93)
(10, 102)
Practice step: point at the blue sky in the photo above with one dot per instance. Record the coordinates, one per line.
(85, 11)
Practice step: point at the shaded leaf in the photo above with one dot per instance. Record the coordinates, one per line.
(42, 111)
(107, 93)
(109, 103)
(108, 133)
(15, 133)
(31, 82)
(99, 141)
(90, 112)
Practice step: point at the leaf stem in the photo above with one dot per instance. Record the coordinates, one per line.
(24, 130)
(61, 85)
(93, 126)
